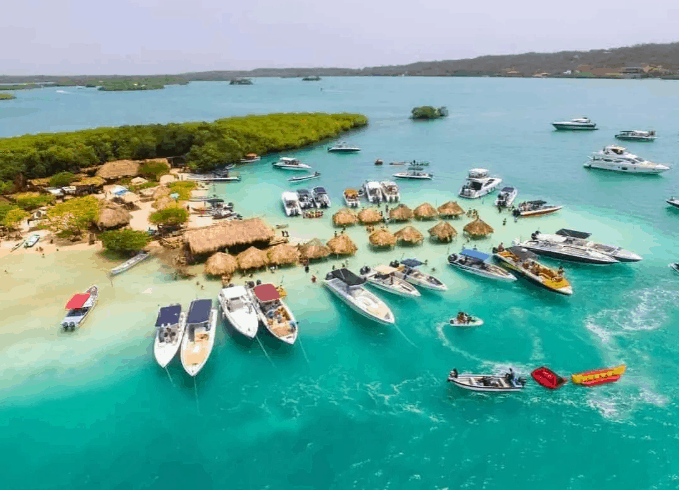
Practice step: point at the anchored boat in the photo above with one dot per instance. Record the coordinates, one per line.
(578, 240)
(170, 326)
(274, 313)
(79, 307)
(506, 196)
(372, 191)
(479, 183)
(523, 262)
(199, 338)
(321, 198)
(599, 376)
(129, 264)
(382, 277)
(348, 287)
(636, 135)
(535, 208)
(343, 147)
(32, 240)
(577, 124)
(618, 159)
(475, 262)
(408, 270)
(286, 163)
(351, 198)
(237, 307)
(390, 191)
(487, 382)
(303, 178)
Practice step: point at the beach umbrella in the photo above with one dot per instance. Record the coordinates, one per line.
(382, 238)
(344, 217)
(450, 209)
(252, 258)
(443, 232)
(313, 249)
(342, 245)
(425, 211)
(409, 234)
(221, 264)
(369, 216)
(283, 254)
(401, 213)
(478, 229)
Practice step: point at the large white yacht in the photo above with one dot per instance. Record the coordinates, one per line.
(577, 124)
(286, 163)
(348, 287)
(579, 239)
(372, 191)
(390, 191)
(618, 159)
(479, 183)
(636, 135)
(291, 204)
(239, 309)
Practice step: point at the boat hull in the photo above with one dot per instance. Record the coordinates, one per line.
(359, 310)
(574, 127)
(164, 352)
(555, 254)
(627, 168)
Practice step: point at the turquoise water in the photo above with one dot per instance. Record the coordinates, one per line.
(356, 405)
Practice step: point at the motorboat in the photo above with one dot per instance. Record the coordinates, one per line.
(523, 262)
(535, 208)
(577, 124)
(224, 176)
(199, 337)
(170, 326)
(304, 178)
(463, 320)
(348, 287)
(274, 313)
(291, 204)
(305, 200)
(675, 267)
(130, 263)
(79, 307)
(579, 239)
(560, 249)
(672, 201)
(398, 164)
(32, 240)
(382, 277)
(373, 192)
(351, 198)
(618, 159)
(320, 197)
(343, 147)
(599, 376)
(487, 382)
(479, 183)
(475, 262)
(237, 307)
(390, 191)
(505, 197)
(379, 161)
(414, 173)
(407, 270)
(21, 242)
(250, 158)
(636, 135)
(286, 163)
(548, 378)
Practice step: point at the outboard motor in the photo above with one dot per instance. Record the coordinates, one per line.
(365, 269)
(394, 263)
(328, 276)
(516, 212)
(259, 281)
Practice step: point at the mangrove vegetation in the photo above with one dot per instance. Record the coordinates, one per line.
(7, 96)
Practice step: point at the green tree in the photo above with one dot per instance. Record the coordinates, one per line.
(170, 216)
(30, 201)
(73, 216)
(14, 217)
(124, 240)
(425, 112)
(183, 188)
(6, 208)
(62, 179)
(154, 170)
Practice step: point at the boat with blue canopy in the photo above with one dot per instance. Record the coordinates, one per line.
(200, 335)
(475, 262)
(407, 270)
(170, 326)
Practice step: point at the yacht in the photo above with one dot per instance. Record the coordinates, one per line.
(564, 251)
(351, 198)
(674, 266)
(579, 239)
(305, 200)
(506, 196)
(382, 277)
(535, 208)
(618, 159)
(274, 313)
(291, 204)
(577, 124)
(373, 192)
(238, 308)
(320, 197)
(523, 262)
(199, 338)
(348, 287)
(390, 191)
(79, 306)
(636, 135)
(673, 201)
(343, 147)
(479, 183)
(475, 262)
(414, 173)
(408, 270)
(286, 163)
(487, 382)
(170, 326)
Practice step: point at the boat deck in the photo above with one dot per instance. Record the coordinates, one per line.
(199, 349)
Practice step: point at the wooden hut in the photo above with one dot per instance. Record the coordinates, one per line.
(313, 249)
(113, 216)
(409, 235)
(283, 254)
(252, 258)
(369, 216)
(401, 213)
(342, 245)
(227, 235)
(118, 169)
(221, 264)
(344, 217)
(382, 238)
(478, 229)
(451, 209)
(425, 211)
(443, 232)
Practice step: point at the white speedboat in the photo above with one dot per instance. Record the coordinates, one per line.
(535, 208)
(390, 191)
(414, 173)
(348, 287)
(636, 135)
(579, 240)
(129, 264)
(475, 262)
(237, 307)
(320, 197)
(408, 270)
(291, 204)
(373, 192)
(351, 198)
(487, 382)
(304, 178)
(382, 277)
(199, 338)
(343, 147)
(286, 163)
(462, 320)
(506, 196)
(306, 201)
(577, 124)
(618, 159)
(170, 326)
(672, 201)
(274, 313)
(563, 251)
(32, 240)
(479, 183)
(79, 306)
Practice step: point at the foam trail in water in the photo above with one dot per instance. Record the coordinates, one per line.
(168, 375)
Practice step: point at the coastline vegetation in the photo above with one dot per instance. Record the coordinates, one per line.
(131, 84)
(7, 96)
(70, 218)
(183, 188)
(169, 216)
(428, 112)
(19, 86)
(30, 201)
(124, 240)
(13, 217)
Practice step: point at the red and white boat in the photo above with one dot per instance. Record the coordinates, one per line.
(535, 208)
(79, 306)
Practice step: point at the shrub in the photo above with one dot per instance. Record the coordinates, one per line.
(183, 188)
(153, 170)
(124, 240)
(32, 200)
(171, 216)
(73, 216)
(14, 217)
(62, 179)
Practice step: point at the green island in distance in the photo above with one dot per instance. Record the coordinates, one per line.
(7, 96)
(133, 84)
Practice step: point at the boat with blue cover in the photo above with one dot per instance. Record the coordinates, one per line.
(407, 270)
(170, 326)
(475, 262)
(199, 338)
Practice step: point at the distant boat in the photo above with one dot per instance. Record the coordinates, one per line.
(222, 177)
(250, 158)
(672, 201)
(241, 81)
(343, 147)
(170, 326)
(129, 264)
(79, 306)
(311, 78)
(199, 338)
(32, 240)
(21, 242)
(618, 159)
(506, 196)
(286, 163)
(577, 124)
(414, 174)
(303, 178)
(351, 198)
(636, 135)
(535, 208)
(478, 184)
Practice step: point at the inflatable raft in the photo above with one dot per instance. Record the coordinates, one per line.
(548, 378)
(599, 376)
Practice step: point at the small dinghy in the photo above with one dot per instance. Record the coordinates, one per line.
(599, 376)
(463, 320)
(548, 378)
(487, 382)
(129, 264)
(303, 178)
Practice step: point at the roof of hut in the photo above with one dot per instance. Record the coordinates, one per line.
(478, 228)
(85, 180)
(443, 231)
(369, 216)
(401, 213)
(138, 181)
(220, 264)
(283, 254)
(252, 258)
(130, 197)
(344, 217)
(113, 217)
(451, 208)
(119, 169)
(228, 234)
(425, 211)
(313, 249)
(382, 238)
(409, 234)
(161, 191)
(342, 245)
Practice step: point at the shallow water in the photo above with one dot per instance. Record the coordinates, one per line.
(355, 404)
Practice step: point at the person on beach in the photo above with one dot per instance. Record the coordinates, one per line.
(504, 222)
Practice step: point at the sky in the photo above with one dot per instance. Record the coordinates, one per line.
(104, 37)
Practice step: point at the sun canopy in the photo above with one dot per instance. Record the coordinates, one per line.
(234, 292)
(385, 269)
(199, 311)
(320, 190)
(347, 277)
(522, 253)
(411, 262)
(572, 233)
(475, 254)
(168, 315)
(77, 301)
(507, 189)
(266, 292)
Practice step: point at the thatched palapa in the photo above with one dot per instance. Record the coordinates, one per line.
(252, 258)
(113, 217)
(409, 235)
(382, 238)
(344, 217)
(443, 232)
(342, 245)
(425, 211)
(369, 216)
(313, 249)
(451, 209)
(401, 213)
(283, 254)
(221, 264)
(478, 229)
(118, 169)
(228, 234)
(138, 181)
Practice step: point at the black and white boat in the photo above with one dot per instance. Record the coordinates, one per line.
(199, 338)
(415, 172)
(348, 287)
(475, 262)
(382, 277)
(407, 270)
(372, 191)
(636, 135)
(170, 326)
(506, 196)
(320, 197)
(343, 147)
(291, 204)
(535, 208)
(577, 124)
(618, 159)
(487, 382)
(478, 184)
(673, 201)
(305, 200)
(304, 178)
(287, 163)
(579, 248)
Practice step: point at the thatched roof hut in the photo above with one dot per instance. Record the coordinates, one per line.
(161, 191)
(369, 216)
(382, 238)
(113, 217)
(89, 181)
(443, 232)
(283, 254)
(228, 234)
(344, 217)
(138, 181)
(478, 228)
(401, 213)
(164, 202)
(409, 235)
(118, 169)
(221, 264)
(313, 249)
(450, 209)
(425, 211)
(252, 258)
(342, 245)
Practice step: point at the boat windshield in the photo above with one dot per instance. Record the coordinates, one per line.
(474, 185)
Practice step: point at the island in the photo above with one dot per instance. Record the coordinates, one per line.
(241, 81)
(428, 112)
(133, 84)
(314, 78)
(7, 96)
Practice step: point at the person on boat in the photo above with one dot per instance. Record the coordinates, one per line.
(501, 247)
(560, 271)
(453, 373)
(313, 279)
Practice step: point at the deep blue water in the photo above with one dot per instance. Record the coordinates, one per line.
(355, 405)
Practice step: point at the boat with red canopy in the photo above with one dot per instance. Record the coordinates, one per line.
(79, 306)
(273, 312)
(548, 378)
